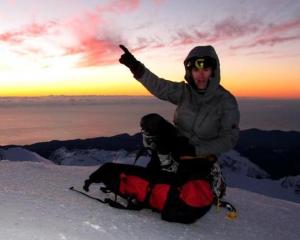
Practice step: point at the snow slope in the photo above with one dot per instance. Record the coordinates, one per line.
(91, 157)
(36, 204)
(21, 154)
(240, 172)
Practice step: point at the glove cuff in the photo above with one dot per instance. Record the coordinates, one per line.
(138, 70)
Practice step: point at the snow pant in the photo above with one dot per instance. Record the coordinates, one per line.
(162, 138)
(180, 197)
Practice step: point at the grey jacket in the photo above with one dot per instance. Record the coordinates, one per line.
(210, 120)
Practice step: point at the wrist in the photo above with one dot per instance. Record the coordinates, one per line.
(138, 70)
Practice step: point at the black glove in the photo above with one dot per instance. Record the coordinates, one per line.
(86, 185)
(183, 147)
(136, 67)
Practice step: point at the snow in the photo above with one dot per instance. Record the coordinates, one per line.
(233, 162)
(240, 172)
(21, 154)
(291, 182)
(91, 157)
(36, 203)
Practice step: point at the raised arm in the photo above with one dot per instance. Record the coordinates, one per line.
(159, 87)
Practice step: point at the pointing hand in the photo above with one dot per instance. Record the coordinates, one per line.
(136, 67)
(127, 58)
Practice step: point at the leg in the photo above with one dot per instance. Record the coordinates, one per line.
(109, 174)
(158, 133)
(161, 136)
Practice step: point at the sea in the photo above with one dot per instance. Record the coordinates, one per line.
(27, 120)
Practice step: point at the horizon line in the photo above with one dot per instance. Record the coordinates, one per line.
(126, 133)
(137, 95)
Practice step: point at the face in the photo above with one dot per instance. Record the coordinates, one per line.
(201, 77)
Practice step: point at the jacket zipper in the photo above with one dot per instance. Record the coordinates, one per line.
(194, 122)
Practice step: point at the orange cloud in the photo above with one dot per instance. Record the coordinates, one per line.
(96, 43)
(88, 35)
(159, 2)
(95, 47)
(95, 52)
(10, 37)
(226, 29)
(232, 29)
(124, 6)
(20, 41)
(147, 43)
(23, 42)
(268, 41)
(119, 6)
(28, 31)
(91, 40)
(269, 36)
(284, 27)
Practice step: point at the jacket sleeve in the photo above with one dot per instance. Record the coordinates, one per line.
(228, 134)
(162, 88)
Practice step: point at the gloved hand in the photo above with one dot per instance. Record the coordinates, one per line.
(136, 67)
(183, 147)
(86, 185)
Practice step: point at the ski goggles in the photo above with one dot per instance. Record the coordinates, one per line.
(201, 63)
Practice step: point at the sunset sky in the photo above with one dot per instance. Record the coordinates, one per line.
(70, 47)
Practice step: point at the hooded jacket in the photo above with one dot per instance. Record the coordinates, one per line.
(209, 119)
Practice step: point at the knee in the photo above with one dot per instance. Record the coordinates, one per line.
(150, 123)
(155, 125)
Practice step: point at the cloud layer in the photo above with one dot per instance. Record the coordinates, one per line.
(92, 40)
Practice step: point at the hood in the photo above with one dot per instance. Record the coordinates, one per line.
(201, 51)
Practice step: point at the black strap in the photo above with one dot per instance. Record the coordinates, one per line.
(87, 195)
(113, 203)
(140, 153)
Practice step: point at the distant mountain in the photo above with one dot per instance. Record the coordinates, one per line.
(92, 157)
(233, 163)
(240, 172)
(113, 143)
(276, 152)
(291, 182)
(20, 154)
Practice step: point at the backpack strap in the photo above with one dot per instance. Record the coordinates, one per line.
(139, 154)
(132, 205)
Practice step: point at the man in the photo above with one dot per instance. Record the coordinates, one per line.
(206, 114)
(206, 119)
